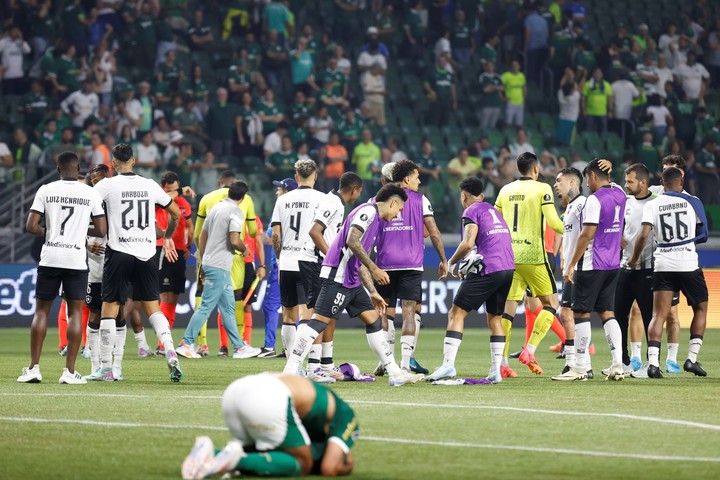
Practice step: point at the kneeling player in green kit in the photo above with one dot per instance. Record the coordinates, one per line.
(283, 426)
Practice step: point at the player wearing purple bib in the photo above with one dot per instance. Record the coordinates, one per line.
(597, 260)
(486, 263)
(346, 268)
(401, 252)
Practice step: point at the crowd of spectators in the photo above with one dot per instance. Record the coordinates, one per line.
(200, 86)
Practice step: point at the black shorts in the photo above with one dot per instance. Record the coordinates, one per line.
(634, 286)
(310, 274)
(676, 299)
(121, 269)
(594, 290)
(172, 274)
(93, 299)
(250, 276)
(491, 290)
(334, 299)
(292, 292)
(404, 285)
(691, 284)
(50, 279)
(566, 300)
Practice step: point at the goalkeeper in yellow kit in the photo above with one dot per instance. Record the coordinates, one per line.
(526, 205)
(238, 268)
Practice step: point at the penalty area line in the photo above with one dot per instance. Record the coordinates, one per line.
(406, 441)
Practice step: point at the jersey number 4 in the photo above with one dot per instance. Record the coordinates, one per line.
(295, 225)
(135, 210)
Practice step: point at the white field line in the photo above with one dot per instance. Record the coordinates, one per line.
(623, 416)
(521, 448)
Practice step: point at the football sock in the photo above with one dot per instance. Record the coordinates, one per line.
(696, 342)
(558, 329)
(162, 330)
(614, 339)
(530, 317)
(168, 310)
(379, 345)
(497, 345)
(240, 316)
(506, 323)
(570, 352)
(62, 326)
(202, 335)
(450, 347)
(222, 332)
(119, 350)
(313, 359)
(418, 325)
(141, 340)
(304, 338)
(326, 356)
(672, 351)
(270, 464)
(85, 319)
(635, 349)
(583, 335)
(93, 343)
(107, 341)
(247, 332)
(406, 347)
(654, 353)
(391, 333)
(287, 332)
(543, 322)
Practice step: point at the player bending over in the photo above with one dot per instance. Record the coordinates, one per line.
(486, 263)
(289, 425)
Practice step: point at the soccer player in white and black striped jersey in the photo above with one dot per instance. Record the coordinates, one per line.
(674, 222)
(130, 205)
(67, 207)
(291, 221)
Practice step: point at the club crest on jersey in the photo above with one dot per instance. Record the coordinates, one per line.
(364, 217)
(326, 213)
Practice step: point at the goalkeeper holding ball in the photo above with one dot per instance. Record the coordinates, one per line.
(484, 260)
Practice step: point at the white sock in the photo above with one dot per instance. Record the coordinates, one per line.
(418, 324)
(531, 348)
(654, 355)
(583, 336)
(326, 356)
(313, 359)
(93, 343)
(635, 348)
(288, 333)
(162, 330)
(407, 348)
(296, 354)
(107, 341)
(141, 340)
(391, 334)
(696, 342)
(450, 348)
(119, 351)
(379, 345)
(613, 334)
(497, 345)
(672, 351)
(570, 353)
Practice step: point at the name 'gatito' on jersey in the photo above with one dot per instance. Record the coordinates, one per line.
(526, 205)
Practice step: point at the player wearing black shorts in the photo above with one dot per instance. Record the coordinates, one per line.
(67, 207)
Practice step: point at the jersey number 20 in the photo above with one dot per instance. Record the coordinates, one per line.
(136, 210)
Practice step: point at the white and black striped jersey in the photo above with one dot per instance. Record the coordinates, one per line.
(294, 212)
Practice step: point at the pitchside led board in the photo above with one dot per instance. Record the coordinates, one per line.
(17, 299)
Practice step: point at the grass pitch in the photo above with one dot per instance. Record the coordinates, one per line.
(528, 427)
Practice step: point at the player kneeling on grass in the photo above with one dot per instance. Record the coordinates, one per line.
(290, 426)
(346, 268)
(485, 260)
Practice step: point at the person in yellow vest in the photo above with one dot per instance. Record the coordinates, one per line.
(597, 103)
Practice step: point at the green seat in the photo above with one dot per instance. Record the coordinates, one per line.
(496, 138)
(713, 215)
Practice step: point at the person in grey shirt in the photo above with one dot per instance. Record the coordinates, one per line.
(221, 236)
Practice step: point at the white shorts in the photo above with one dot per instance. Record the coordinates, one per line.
(259, 412)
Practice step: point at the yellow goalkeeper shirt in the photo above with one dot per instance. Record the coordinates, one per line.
(216, 196)
(526, 205)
